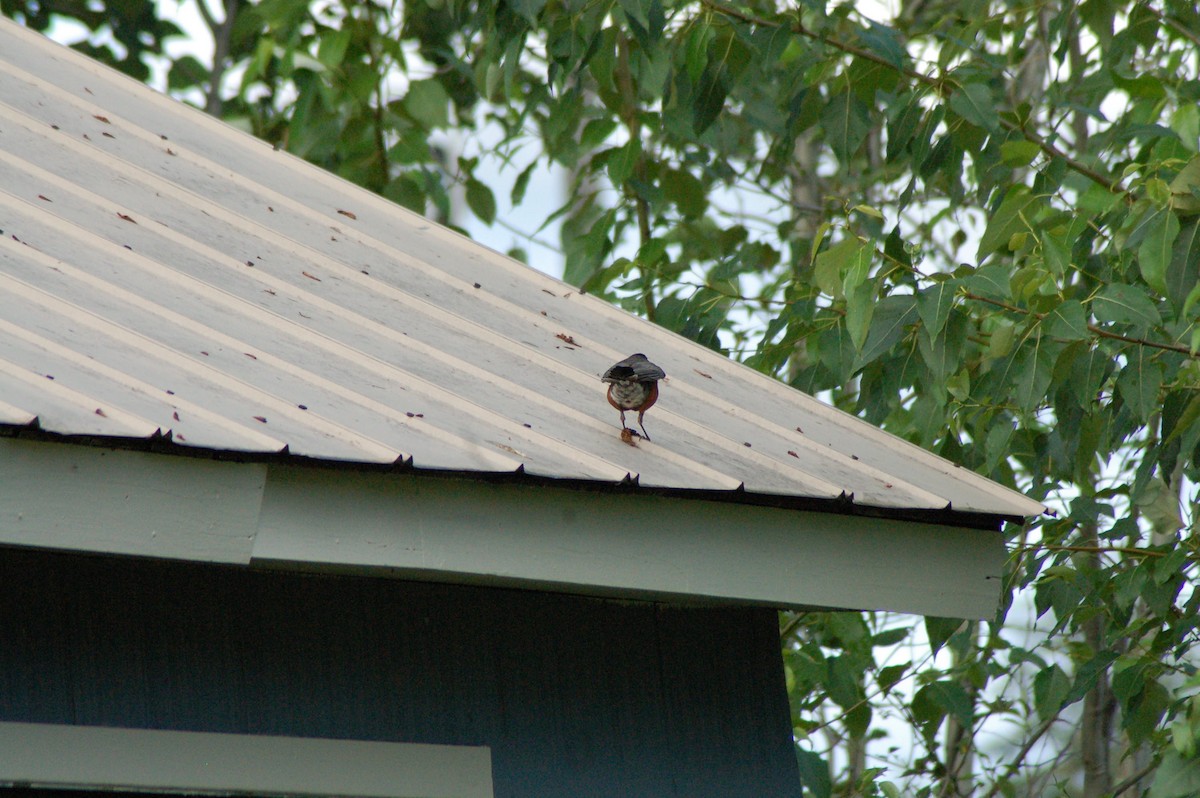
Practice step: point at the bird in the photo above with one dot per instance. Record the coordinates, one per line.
(633, 385)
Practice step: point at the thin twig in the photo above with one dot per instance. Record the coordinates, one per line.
(629, 115)
(1134, 552)
(791, 625)
(1134, 779)
(1018, 761)
(1173, 23)
(1075, 165)
(1100, 331)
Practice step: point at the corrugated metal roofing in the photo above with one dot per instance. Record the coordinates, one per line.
(162, 273)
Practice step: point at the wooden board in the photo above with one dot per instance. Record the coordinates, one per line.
(549, 538)
(106, 758)
(574, 696)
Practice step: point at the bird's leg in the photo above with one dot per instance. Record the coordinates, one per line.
(622, 419)
(640, 424)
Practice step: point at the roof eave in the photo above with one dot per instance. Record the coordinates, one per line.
(843, 505)
(541, 535)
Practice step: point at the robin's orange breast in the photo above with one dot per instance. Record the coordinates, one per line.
(631, 395)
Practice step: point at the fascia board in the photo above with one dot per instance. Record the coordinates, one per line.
(627, 545)
(115, 501)
(150, 760)
(450, 529)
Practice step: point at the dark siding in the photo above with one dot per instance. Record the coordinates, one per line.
(575, 696)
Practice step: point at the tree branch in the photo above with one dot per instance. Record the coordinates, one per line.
(1073, 164)
(1134, 779)
(1018, 761)
(1100, 331)
(629, 115)
(221, 31)
(1134, 552)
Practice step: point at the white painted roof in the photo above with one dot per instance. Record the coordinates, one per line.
(163, 274)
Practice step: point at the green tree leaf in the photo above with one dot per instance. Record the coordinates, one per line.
(332, 48)
(529, 9)
(428, 103)
(1029, 371)
(1187, 420)
(1017, 213)
(686, 191)
(860, 307)
(934, 304)
(622, 161)
(1125, 304)
(833, 267)
(974, 103)
(890, 676)
(953, 699)
(942, 352)
(521, 184)
(1139, 383)
(1185, 188)
(1019, 153)
(1050, 689)
(903, 122)
(846, 124)
(1068, 322)
(696, 51)
(636, 11)
(883, 41)
(1183, 272)
(710, 96)
(1088, 674)
(1155, 251)
(1176, 777)
(888, 322)
(939, 630)
(814, 774)
(481, 200)
(186, 73)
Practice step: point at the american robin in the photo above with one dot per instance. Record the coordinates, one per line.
(633, 385)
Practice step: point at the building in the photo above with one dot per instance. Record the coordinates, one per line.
(302, 493)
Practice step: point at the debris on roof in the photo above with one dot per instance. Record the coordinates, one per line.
(178, 280)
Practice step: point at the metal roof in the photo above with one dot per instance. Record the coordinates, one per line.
(164, 274)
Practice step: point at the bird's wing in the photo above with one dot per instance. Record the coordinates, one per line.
(635, 367)
(617, 373)
(645, 371)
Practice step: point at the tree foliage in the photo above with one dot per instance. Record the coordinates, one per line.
(976, 224)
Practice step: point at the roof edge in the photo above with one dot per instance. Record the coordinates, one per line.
(843, 505)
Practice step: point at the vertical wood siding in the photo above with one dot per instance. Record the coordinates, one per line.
(575, 696)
